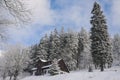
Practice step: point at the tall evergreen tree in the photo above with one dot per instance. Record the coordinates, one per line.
(62, 38)
(39, 51)
(33, 55)
(80, 50)
(100, 46)
(69, 50)
(55, 51)
(46, 44)
(84, 58)
(116, 49)
(43, 48)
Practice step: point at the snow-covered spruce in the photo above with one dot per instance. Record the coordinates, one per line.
(84, 58)
(54, 68)
(100, 45)
(116, 49)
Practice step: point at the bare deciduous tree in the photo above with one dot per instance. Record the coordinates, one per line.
(12, 12)
(15, 59)
(16, 8)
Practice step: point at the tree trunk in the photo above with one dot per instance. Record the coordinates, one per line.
(95, 66)
(77, 65)
(16, 74)
(4, 76)
(15, 77)
(10, 78)
(102, 66)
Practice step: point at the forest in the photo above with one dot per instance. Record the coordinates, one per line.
(90, 50)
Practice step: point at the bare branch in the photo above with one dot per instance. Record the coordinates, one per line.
(13, 12)
(17, 10)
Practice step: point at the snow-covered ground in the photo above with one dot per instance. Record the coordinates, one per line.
(108, 74)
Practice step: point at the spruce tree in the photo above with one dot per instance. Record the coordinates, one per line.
(116, 49)
(80, 50)
(33, 57)
(84, 58)
(43, 48)
(70, 50)
(54, 68)
(47, 45)
(55, 45)
(100, 45)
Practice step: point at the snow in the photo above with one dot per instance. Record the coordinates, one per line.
(46, 66)
(108, 74)
(1, 52)
(34, 68)
(59, 60)
(43, 60)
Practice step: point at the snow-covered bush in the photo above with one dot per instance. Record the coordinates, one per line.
(54, 68)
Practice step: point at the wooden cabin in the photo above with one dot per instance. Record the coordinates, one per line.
(63, 66)
(42, 66)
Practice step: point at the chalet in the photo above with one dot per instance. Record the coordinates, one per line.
(63, 66)
(43, 66)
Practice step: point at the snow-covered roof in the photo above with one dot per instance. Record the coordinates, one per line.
(33, 68)
(59, 59)
(47, 66)
(43, 60)
(40, 59)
